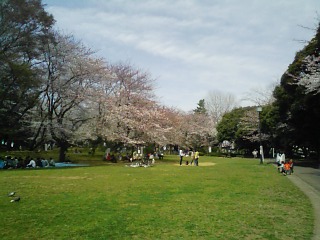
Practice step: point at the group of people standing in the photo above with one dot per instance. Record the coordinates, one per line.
(194, 157)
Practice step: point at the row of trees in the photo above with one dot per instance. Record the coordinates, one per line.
(55, 89)
(290, 118)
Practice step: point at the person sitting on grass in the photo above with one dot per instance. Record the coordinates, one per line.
(160, 155)
(151, 158)
(108, 157)
(32, 164)
(44, 162)
(1, 163)
(286, 168)
(20, 163)
(38, 163)
(52, 162)
(10, 163)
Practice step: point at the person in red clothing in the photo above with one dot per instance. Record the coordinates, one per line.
(287, 168)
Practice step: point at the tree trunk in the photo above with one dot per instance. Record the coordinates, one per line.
(63, 149)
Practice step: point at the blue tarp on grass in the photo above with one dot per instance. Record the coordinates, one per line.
(67, 164)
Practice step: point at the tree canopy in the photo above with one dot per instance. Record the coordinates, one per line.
(53, 88)
(298, 101)
(24, 26)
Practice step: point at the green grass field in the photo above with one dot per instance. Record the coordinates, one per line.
(222, 199)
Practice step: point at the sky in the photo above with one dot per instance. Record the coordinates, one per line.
(194, 47)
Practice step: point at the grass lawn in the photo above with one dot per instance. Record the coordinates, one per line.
(225, 199)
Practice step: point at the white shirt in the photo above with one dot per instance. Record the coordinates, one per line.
(181, 152)
(32, 163)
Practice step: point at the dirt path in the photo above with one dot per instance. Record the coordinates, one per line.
(308, 180)
(204, 164)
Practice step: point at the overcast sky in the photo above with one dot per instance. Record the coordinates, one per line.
(192, 47)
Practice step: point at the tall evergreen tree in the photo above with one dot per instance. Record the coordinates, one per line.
(201, 107)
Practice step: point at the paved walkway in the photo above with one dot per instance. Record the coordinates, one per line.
(308, 180)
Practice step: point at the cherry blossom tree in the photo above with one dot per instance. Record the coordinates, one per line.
(310, 78)
(199, 130)
(69, 76)
(129, 114)
(176, 119)
(249, 126)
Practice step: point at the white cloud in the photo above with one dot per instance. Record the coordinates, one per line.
(192, 46)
